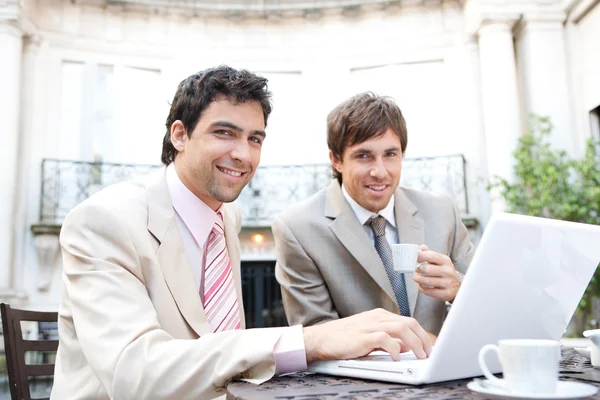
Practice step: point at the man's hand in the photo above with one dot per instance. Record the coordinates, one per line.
(436, 275)
(360, 334)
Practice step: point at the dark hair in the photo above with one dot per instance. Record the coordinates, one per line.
(360, 118)
(196, 92)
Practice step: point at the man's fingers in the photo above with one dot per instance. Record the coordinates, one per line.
(406, 329)
(381, 340)
(444, 270)
(438, 293)
(419, 345)
(411, 333)
(403, 346)
(433, 257)
(432, 281)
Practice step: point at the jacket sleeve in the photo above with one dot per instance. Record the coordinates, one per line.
(462, 248)
(306, 298)
(118, 329)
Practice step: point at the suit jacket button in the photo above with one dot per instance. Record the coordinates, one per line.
(247, 375)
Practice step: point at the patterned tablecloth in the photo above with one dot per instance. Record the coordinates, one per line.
(308, 386)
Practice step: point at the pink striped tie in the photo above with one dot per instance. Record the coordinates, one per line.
(220, 301)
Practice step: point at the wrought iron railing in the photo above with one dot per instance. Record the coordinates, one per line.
(66, 183)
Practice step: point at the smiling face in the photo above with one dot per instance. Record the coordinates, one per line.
(222, 153)
(371, 170)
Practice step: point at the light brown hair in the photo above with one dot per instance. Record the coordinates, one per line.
(360, 118)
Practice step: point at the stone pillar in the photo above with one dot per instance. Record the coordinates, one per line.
(11, 47)
(500, 99)
(542, 66)
(477, 172)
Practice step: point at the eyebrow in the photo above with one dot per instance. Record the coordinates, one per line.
(362, 150)
(236, 128)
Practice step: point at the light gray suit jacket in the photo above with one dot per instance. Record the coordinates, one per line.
(131, 323)
(328, 268)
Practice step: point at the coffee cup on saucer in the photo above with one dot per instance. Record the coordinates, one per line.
(529, 366)
(594, 336)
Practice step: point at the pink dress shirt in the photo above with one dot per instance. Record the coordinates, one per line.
(195, 220)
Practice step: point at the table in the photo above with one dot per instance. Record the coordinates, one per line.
(309, 386)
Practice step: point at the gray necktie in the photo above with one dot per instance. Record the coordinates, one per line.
(377, 223)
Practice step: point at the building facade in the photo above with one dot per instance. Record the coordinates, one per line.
(91, 81)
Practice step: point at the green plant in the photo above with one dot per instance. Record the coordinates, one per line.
(548, 183)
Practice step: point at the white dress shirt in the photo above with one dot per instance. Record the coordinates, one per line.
(363, 215)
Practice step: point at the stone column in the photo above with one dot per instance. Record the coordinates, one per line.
(11, 47)
(45, 235)
(542, 66)
(500, 99)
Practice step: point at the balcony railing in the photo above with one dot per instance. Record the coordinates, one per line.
(66, 183)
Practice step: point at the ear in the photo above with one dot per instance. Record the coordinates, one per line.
(337, 164)
(179, 135)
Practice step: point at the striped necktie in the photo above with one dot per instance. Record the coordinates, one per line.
(396, 278)
(220, 300)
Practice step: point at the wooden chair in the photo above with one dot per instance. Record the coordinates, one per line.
(15, 348)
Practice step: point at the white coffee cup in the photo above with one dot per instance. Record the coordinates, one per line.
(594, 336)
(405, 257)
(529, 366)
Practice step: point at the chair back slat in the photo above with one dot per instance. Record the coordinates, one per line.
(39, 369)
(34, 316)
(40, 345)
(15, 348)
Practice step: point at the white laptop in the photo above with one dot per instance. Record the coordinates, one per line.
(525, 281)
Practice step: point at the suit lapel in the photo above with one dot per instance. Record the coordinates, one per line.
(346, 227)
(410, 230)
(233, 248)
(171, 253)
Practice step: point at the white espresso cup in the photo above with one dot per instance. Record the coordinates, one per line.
(594, 336)
(405, 257)
(529, 366)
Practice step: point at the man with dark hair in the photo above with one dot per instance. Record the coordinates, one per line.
(151, 301)
(334, 249)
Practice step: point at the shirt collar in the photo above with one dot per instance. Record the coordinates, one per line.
(195, 214)
(363, 214)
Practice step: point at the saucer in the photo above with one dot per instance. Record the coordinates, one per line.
(564, 390)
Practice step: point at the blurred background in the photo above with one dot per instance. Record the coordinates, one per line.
(85, 87)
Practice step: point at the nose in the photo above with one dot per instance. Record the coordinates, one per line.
(241, 151)
(378, 170)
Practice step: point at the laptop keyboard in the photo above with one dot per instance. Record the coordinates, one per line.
(383, 356)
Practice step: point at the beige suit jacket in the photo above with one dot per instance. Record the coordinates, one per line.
(131, 323)
(328, 268)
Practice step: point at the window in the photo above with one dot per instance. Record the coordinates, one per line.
(285, 127)
(111, 113)
(421, 91)
(87, 108)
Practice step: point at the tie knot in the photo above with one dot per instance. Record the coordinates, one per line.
(377, 224)
(218, 226)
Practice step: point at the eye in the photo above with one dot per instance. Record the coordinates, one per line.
(223, 132)
(256, 139)
(392, 154)
(362, 156)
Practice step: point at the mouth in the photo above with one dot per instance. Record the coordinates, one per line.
(231, 172)
(377, 188)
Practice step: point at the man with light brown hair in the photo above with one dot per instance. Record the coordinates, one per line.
(333, 249)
